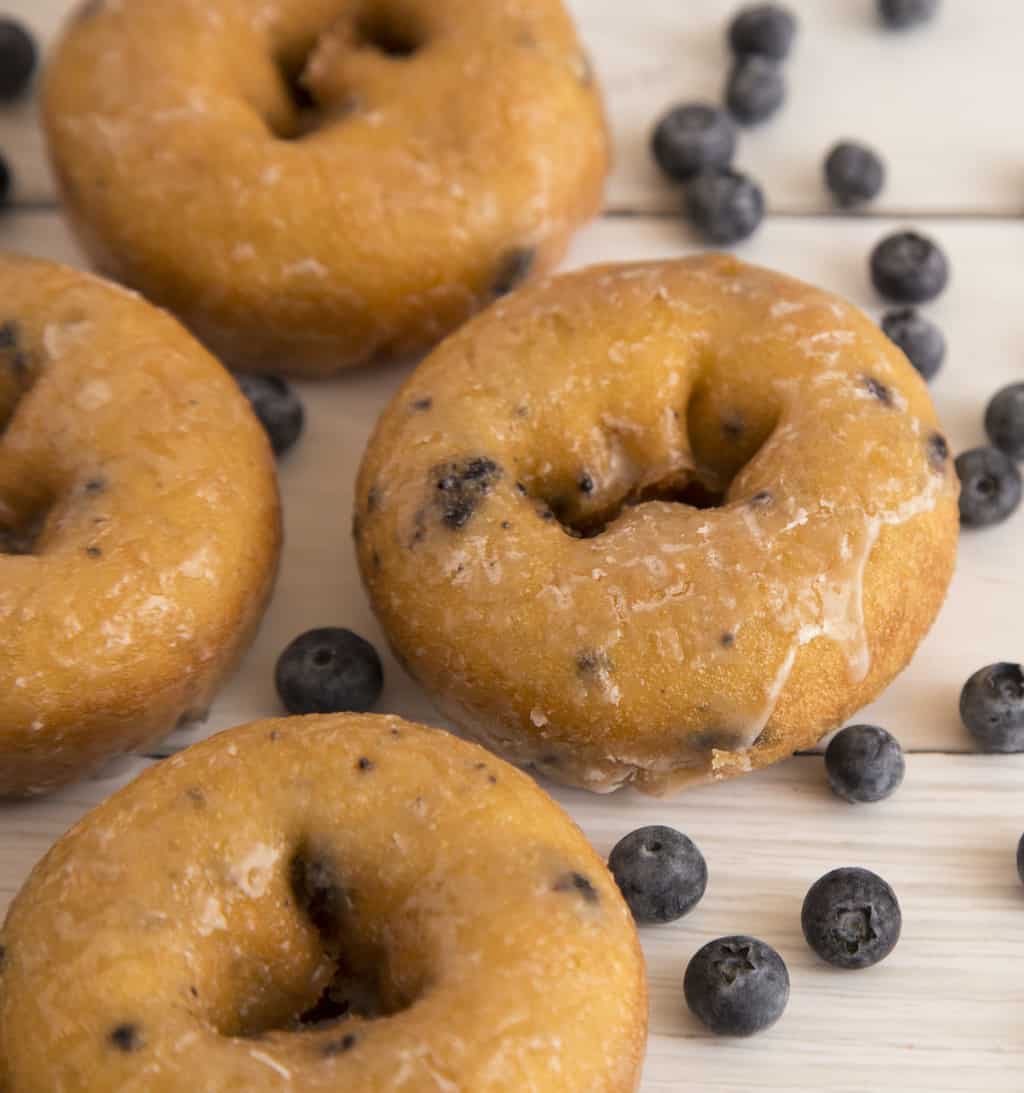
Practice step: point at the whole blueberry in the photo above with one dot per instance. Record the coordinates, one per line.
(767, 30)
(990, 487)
(864, 764)
(851, 918)
(724, 205)
(854, 173)
(1020, 858)
(18, 58)
(737, 985)
(693, 136)
(278, 408)
(992, 707)
(755, 90)
(909, 268)
(660, 872)
(1004, 420)
(919, 338)
(329, 670)
(901, 14)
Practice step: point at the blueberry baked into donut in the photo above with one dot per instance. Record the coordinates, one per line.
(658, 523)
(139, 524)
(327, 903)
(309, 184)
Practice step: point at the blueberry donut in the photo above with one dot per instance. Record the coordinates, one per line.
(658, 523)
(309, 184)
(323, 903)
(139, 524)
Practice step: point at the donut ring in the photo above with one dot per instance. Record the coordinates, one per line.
(522, 539)
(312, 183)
(139, 524)
(302, 866)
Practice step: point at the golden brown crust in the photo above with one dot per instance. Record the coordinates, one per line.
(520, 534)
(183, 925)
(139, 524)
(432, 182)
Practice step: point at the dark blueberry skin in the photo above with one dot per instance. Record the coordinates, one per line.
(278, 408)
(691, 137)
(18, 57)
(329, 671)
(660, 872)
(737, 985)
(902, 14)
(766, 30)
(1020, 858)
(990, 487)
(864, 764)
(908, 268)
(992, 708)
(724, 205)
(756, 90)
(851, 918)
(919, 338)
(1004, 420)
(854, 173)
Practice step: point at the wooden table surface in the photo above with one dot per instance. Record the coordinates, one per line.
(942, 104)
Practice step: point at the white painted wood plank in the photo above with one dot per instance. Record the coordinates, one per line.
(941, 1014)
(982, 317)
(941, 103)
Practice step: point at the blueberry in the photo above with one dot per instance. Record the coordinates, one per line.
(901, 14)
(992, 708)
(329, 671)
(864, 764)
(854, 173)
(278, 408)
(755, 90)
(767, 30)
(1004, 420)
(724, 205)
(909, 268)
(661, 873)
(18, 58)
(851, 918)
(737, 985)
(919, 338)
(693, 136)
(990, 487)
(1020, 858)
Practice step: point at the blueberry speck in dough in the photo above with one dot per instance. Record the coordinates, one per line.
(18, 57)
(329, 670)
(992, 707)
(339, 1047)
(851, 918)
(126, 1038)
(864, 764)
(692, 137)
(938, 452)
(903, 14)
(854, 173)
(1004, 420)
(737, 985)
(909, 268)
(462, 486)
(765, 30)
(878, 390)
(577, 882)
(756, 89)
(990, 487)
(660, 872)
(919, 338)
(278, 408)
(724, 205)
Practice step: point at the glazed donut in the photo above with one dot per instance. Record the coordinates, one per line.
(139, 524)
(323, 903)
(312, 183)
(658, 523)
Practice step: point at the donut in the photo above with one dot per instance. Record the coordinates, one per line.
(658, 523)
(139, 524)
(311, 184)
(335, 902)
